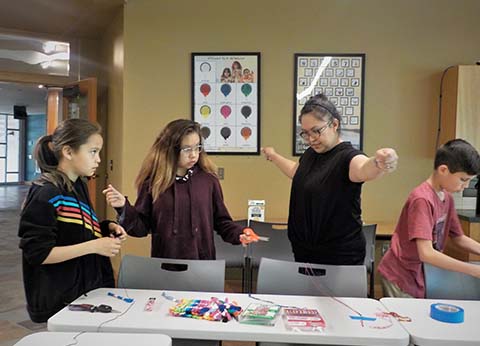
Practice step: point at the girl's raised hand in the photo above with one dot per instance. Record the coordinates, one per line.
(114, 197)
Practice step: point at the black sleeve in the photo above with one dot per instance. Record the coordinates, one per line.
(104, 227)
(38, 224)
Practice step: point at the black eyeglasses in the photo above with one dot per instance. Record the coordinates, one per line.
(315, 132)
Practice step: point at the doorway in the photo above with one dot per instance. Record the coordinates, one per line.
(22, 122)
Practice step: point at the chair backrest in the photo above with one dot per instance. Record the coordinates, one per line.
(242, 222)
(171, 274)
(446, 284)
(232, 254)
(370, 233)
(292, 278)
(277, 247)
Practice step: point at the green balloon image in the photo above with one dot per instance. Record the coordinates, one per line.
(246, 89)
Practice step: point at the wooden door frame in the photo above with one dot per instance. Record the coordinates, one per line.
(87, 86)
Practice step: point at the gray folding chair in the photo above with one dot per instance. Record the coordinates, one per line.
(234, 255)
(173, 274)
(370, 233)
(277, 247)
(446, 284)
(293, 278)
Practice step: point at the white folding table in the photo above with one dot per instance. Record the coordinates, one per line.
(425, 331)
(340, 330)
(89, 339)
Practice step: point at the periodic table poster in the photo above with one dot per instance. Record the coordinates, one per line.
(226, 101)
(340, 77)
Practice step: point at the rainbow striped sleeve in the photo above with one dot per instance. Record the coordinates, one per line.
(70, 211)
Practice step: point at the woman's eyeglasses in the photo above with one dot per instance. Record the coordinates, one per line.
(314, 133)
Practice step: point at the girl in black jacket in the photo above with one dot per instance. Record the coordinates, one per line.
(65, 249)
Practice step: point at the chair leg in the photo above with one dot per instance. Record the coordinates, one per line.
(248, 275)
(372, 283)
(243, 279)
(251, 279)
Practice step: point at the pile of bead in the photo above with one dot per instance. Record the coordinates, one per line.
(211, 310)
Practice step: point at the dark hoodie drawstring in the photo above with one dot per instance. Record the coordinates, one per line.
(83, 290)
(186, 179)
(80, 207)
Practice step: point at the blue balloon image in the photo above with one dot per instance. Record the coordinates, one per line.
(226, 89)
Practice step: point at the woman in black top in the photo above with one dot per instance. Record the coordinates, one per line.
(324, 223)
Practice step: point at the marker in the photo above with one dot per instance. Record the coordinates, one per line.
(127, 300)
(363, 318)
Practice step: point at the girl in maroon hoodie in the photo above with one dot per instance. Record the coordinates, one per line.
(179, 199)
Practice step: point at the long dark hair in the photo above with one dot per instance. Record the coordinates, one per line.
(48, 150)
(160, 165)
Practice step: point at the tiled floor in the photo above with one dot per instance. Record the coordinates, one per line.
(14, 321)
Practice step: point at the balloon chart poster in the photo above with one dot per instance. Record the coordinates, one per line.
(340, 77)
(226, 101)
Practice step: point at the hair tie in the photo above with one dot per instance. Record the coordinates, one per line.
(50, 142)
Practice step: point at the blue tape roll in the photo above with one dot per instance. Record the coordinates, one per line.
(447, 313)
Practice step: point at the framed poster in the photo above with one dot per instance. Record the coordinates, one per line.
(226, 101)
(340, 77)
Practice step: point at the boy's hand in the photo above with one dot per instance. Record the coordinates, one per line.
(476, 271)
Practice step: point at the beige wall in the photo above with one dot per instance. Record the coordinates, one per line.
(111, 103)
(407, 43)
(112, 59)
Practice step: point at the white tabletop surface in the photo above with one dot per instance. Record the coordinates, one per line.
(425, 331)
(90, 339)
(340, 330)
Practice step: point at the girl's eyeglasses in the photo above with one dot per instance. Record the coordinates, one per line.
(189, 150)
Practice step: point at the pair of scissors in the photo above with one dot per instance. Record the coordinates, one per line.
(251, 234)
(92, 308)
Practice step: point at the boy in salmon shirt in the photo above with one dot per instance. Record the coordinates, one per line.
(427, 219)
